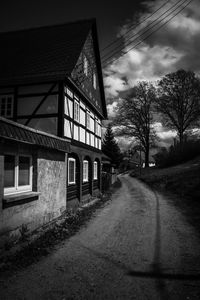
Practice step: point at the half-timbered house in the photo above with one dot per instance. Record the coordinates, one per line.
(51, 81)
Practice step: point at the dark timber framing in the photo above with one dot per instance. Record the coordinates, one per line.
(53, 67)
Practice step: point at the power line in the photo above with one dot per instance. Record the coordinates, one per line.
(122, 54)
(141, 30)
(134, 27)
(148, 28)
(104, 59)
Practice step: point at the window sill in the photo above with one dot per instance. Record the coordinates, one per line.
(19, 198)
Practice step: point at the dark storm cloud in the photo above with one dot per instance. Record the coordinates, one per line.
(175, 46)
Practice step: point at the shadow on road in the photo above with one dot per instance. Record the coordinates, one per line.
(155, 273)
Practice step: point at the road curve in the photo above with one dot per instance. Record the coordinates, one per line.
(137, 247)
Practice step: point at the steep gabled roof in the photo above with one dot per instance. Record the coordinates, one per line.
(41, 54)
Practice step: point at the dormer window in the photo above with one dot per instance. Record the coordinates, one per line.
(6, 106)
(85, 65)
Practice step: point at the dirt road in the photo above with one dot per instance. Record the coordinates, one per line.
(137, 247)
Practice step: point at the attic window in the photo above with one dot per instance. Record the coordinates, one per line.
(94, 81)
(85, 65)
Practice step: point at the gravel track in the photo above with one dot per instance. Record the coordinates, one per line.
(136, 247)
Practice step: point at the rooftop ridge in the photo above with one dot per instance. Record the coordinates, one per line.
(91, 20)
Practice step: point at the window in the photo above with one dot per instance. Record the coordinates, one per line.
(95, 126)
(68, 92)
(95, 170)
(6, 106)
(98, 129)
(17, 173)
(76, 111)
(71, 170)
(88, 120)
(85, 171)
(94, 81)
(85, 65)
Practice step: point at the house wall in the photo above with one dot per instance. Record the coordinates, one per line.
(94, 185)
(49, 180)
(80, 130)
(34, 105)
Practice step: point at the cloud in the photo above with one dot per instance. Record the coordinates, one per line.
(111, 109)
(174, 46)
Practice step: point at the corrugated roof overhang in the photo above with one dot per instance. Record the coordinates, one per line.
(16, 132)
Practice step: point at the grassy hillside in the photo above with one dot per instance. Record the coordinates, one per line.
(181, 184)
(183, 180)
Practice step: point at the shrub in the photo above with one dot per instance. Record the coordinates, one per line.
(177, 154)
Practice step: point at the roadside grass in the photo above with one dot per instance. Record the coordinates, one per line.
(181, 184)
(63, 228)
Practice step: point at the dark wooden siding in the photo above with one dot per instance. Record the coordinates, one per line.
(95, 184)
(86, 188)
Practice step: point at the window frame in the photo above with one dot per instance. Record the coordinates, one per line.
(85, 174)
(23, 188)
(76, 111)
(85, 65)
(6, 96)
(95, 177)
(94, 81)
(88, 120)
(74, 160)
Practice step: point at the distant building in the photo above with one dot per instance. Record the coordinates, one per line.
(50, 83)
(135, 159)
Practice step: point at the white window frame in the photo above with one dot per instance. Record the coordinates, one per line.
(76, 111)
(85, 65)
(6, 115)
(85, 170)
(22, 188)
(74, 160)
(95, 170)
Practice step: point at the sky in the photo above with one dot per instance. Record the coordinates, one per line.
(176, 45)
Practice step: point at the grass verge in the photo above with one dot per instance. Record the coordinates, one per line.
(181, 185)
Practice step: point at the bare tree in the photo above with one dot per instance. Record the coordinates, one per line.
(179, 101)
(134, 116)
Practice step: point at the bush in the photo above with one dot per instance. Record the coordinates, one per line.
(106, 181)
(177, 154)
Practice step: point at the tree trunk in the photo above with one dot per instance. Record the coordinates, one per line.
(181, 138)
(147, 157)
